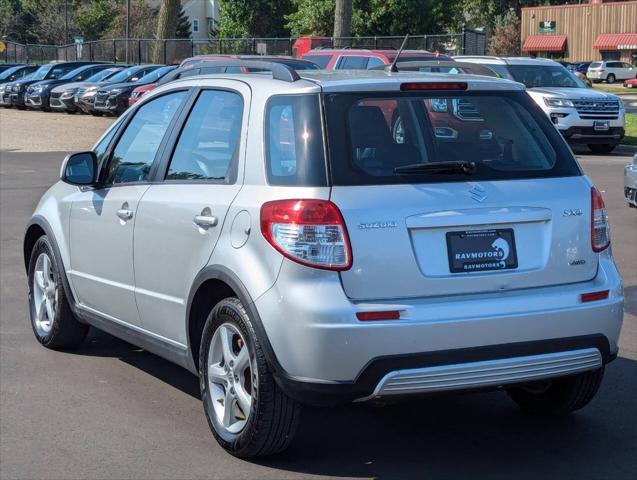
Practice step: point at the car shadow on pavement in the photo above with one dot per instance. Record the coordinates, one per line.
(481, 435)
(101, 344)
(630, 299)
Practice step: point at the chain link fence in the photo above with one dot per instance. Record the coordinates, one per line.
(135, 51)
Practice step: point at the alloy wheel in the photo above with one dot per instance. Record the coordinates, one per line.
(45, 293)
(232, 379)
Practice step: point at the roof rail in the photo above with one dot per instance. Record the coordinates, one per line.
(279, 71)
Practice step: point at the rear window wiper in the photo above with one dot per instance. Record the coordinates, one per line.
(468, 168)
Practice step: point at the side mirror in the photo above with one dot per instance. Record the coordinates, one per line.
(79, 169)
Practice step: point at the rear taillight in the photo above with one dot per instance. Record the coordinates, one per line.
(310, 232)
(600, 229)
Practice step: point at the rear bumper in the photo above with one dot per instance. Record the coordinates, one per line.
(325, 355)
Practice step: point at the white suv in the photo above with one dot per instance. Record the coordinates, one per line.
(581, 114)
(610, 71)
(330, 238)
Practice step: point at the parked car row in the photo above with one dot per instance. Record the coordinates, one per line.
(104, 88)
(582, 115)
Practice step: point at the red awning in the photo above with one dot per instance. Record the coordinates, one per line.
(616, 41)
(545, 43)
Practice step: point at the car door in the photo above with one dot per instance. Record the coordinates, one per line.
(180, 218)
(102, 219)
(629, 71)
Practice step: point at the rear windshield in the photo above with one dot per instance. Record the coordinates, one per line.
(320, 60)
(595, 65)
(504, 133)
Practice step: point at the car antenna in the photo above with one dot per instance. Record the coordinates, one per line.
(392, 67)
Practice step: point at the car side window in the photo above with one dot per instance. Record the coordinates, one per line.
(351, 62)
(374, 62)
(208, 144)
(136, 149)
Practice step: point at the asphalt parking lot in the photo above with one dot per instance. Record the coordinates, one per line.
(111, 410)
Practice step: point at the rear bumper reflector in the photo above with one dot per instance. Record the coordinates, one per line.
(593, 296)
(371, 316)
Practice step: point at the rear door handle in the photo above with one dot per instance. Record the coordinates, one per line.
(205, 221)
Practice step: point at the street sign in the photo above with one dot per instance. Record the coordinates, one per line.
(79, 40)
(548, 26)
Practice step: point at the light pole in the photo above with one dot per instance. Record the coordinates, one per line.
(127, 30)
(66, 21)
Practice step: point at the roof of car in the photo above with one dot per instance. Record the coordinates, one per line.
(381, 51)
(350, 80)
(506, 60)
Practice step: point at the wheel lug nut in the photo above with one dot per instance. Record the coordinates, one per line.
(231, 363)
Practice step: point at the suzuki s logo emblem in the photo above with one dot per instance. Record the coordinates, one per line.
(478, 193)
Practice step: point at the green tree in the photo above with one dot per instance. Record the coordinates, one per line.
(143, 21)
(378, 17)
(400, 17)
(505, 39)
(47, 25)
(254, 18)
(96, 18)
(183, 29)
(311, 17)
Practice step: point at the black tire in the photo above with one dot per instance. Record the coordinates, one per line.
(601, 147)
(611, 78)
(274, 417)
(560, 397)
(20, 107)
(66, 331)
(95, 114)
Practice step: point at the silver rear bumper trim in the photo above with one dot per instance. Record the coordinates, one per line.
(487, 373)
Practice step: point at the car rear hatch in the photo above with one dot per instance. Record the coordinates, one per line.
(517, 215)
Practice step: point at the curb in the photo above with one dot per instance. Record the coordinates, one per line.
(623, 148)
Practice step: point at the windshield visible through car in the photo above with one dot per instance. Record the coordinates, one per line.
(155, 75)
(102, 74)
(41, 72)
(534, 76)
(123, 75)
(73, 73)
(9, 71)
